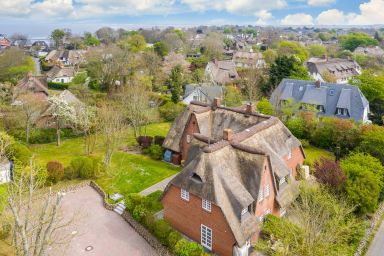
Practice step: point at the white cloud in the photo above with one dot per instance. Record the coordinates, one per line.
(370, 13)
(15, 7)
(320, 2)
(263, 17)
(54, 7)
(297, 19)
(235, 6)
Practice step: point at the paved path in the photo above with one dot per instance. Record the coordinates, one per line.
(158, 186)
(37, 66)
(95, 226)
(377, 246)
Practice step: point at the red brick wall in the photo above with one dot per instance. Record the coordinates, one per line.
(192, 128)
(296, 159)
(187, 217)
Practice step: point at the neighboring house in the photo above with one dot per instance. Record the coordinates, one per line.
(172, 60)
(342, 101)
(47, 120)
(204, 93)
(342, 69)
(32, 84)
(239, 167)
(66, 57)
(375, 51)
(4, 41)
(61, 74)
(6, 168)
(222, 72)
(249, 59)
(40, 44)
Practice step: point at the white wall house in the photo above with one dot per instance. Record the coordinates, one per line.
(5, 171)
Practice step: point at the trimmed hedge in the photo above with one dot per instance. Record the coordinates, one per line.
(84, 167)
(57, 86)
(42, 136)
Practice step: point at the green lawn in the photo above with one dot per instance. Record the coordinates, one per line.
(313, 153)
(127, 173)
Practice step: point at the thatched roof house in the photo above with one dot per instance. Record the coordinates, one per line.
(37, 85)
(241, 162)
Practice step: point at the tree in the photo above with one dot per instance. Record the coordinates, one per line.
(251, 83)
(160, 48)
(14, 65)
(329, 77)
(86, 120)
(285, 67)
(106, 35)
(364, 181)
(354, 40)
(111, 126)
(62, 113)
(289, 48)
(265, 107)
(317, 50)
(317, 223)
(270, 56)
(329, 172)
(20, 39)
(232, 96)
(37, 224)
(30, 108)
(173, 41)
(175, 83)
(57, 36)
(5, 142)
(90, 40)
(213, 46)
(373, 143)
(134, 43)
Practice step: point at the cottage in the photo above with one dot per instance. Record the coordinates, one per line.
(342, 101)
(4, 41)
(32, 84)
(61, 74)
(375, 51)
(249, 59)
(239, 167)
(66, 57)
(202, 92)
(221, 72)
(342, 69)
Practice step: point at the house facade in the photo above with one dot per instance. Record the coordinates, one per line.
(202, 92)
(249, 59)
(221, 72)
(239, 166)
(61, 74)
(36, 85)
(341, 69)
(4, 42)
(338, 100)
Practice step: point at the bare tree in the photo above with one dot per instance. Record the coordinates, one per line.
(86, 123)
(30, 108)
(252, 81)
(37, 221)
(5, 142)
(111, 127)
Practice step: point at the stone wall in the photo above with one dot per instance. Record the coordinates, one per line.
(101, 192)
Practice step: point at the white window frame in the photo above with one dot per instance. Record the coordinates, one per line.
(184, 194)
(261, 195)
(206, 237)
(244, 211)
(189, 139)
(282, 211)
(206, 204)
(282, 181)
(266, 191)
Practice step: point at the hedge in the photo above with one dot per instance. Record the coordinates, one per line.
(57, 86)
(42, 136)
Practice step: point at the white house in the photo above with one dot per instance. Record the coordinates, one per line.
(61, 74)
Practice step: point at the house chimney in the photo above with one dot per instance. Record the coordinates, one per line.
(248, 109)
(318, 83)
(227, 134)
(216, 103)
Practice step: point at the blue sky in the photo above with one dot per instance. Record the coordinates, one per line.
(38, 17)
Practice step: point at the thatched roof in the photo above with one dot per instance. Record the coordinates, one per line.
(229, 172)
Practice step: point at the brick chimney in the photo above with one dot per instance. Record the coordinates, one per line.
(318, 83)
(227, 134)
(216, 103)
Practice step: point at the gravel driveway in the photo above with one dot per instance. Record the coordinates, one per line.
(105, 231)
(377, 246)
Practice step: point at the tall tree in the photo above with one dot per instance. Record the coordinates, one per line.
(175, 83)
(86, 122)
(57, 36)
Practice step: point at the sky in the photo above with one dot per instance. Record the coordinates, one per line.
(37, 18)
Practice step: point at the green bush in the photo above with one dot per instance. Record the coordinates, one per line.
(80, 78)
(155, 151)
(298, 127)
(19, 152)
(162, 229)
(55, 171)
(169, 111)
(57, 86)
(139, 212)
(84, 167)
(42, 136)
(5, 231)
(184, 248)
(94, 85)
(70, 173)
(132, 200)
(173, 238)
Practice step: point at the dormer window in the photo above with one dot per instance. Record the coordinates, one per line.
(342, 111)
(282, 181)
(244, 211)
(320, 108)
(196, 178)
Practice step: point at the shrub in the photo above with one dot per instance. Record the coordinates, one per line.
(329, 172)
(5, 231)
(169, 111)
(184, 248)
(298, 127)
(80, 78)
(94, 85)
(161, 230)
(84, 167)
(173, 238)
(42, 136)
(139, 212)
(155, 151)
(19, 152)
(70, 173)
(133, 199)
(55, 171)
(57, 86)
(265, 107)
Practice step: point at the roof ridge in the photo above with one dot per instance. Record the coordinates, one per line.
(247, 149)
(245, 134)
(216, 146)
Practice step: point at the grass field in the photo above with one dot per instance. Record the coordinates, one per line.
(313, 153)
(128, 172)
